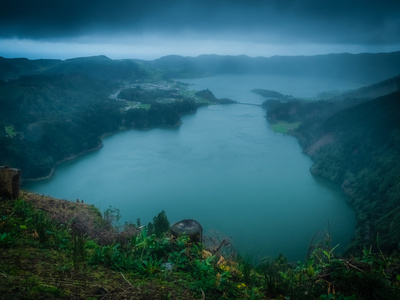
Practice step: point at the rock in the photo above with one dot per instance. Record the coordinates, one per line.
(189, 227)
(9, 182)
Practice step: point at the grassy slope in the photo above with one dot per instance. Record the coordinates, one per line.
(47, 254)
(55, 249)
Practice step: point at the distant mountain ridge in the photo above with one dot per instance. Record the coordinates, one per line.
(97, 67)
(366, 68)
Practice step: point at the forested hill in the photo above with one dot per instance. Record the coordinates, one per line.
(53, 110)
(364, 158)
(45, 119)
(381, 88)
(358, 147)
(97, 67)
(365, 68)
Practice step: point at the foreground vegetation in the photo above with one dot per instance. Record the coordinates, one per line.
(55, 249)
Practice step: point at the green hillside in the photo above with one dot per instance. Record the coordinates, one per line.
(16, 67)
(364, 158)
(104, 68)
(54, 117)
(46, 119)
(97, 67)
(355, 145)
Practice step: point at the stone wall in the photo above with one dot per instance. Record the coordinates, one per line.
(9, 182)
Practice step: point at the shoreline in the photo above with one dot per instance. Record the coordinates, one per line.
(102, 137)
(53, 169)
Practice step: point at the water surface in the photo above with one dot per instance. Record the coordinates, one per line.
(223, 167)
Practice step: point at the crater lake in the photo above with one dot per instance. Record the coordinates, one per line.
(223, 167)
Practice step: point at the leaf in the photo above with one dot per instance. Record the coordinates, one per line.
(335, 248)
(310, 262)
(23, 227)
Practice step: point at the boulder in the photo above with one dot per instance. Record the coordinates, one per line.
(189, 227)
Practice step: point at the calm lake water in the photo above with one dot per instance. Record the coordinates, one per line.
(223, 167)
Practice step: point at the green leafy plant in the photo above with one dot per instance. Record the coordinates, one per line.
(182, 241)
(276, 278)
(178, 260)
(149, 267)
(145, 242)
(204, 274)
(6, 239)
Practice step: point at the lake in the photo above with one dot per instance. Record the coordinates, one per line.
(223, 167)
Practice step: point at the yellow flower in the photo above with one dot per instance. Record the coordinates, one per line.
(241, 285)
(224, 268)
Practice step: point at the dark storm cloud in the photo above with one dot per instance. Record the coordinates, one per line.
(325, 21)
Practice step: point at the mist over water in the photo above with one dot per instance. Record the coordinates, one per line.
(223, 167)
(238, 87)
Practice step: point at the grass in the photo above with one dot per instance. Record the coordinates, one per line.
(284, 127)
(56, 249)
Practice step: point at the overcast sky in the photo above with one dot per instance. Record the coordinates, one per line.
(149, 29)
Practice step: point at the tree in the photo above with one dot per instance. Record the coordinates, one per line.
(160, 224)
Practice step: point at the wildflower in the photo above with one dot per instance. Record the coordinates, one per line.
(241, 286)
(224, 268)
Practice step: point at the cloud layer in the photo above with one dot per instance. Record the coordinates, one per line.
(284, 22)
